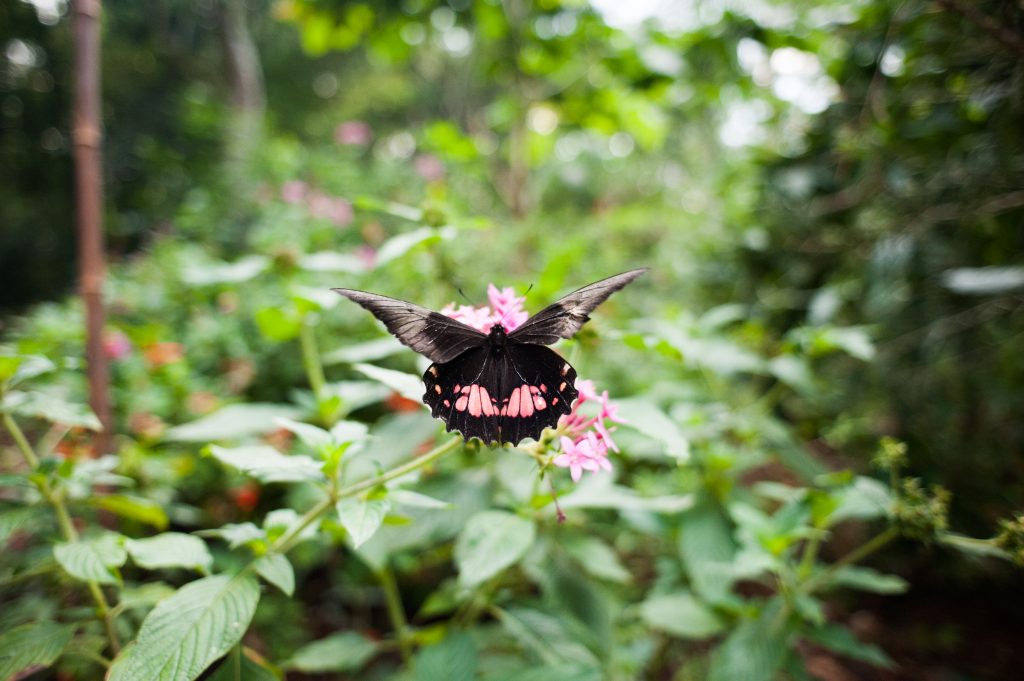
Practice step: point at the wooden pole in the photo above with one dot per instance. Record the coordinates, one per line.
(88, 137)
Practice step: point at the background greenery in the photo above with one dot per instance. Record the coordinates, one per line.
(829, 196)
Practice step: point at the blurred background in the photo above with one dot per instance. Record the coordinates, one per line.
(830, 197)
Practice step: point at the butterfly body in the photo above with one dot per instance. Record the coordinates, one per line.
(500, 386)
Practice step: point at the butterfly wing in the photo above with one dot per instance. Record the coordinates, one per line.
(564, 318)
(501, 397)
(437, 337)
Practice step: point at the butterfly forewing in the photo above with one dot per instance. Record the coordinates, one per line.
(501, 395)
(564, 318)
(432, 334)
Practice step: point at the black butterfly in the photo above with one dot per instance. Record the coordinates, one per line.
(500, 387)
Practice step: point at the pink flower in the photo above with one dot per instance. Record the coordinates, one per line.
(588, 432)
(587, 454)
(429, 167)
(116, 345)
(508, 309)
(355, 133)
(341, 212)
(367, 255)
(293, 191)
(478, 317)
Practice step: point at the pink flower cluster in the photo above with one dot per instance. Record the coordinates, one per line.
(587, 439)
(320, 205)
(507, 311)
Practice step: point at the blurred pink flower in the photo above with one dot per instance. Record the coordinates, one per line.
(293, 191)
(335, 209)
(506, 309)
(429, 167)
(116, 345)
(367, 255)
(356, 133)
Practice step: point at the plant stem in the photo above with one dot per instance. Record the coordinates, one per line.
(67, 527)
(404, 469)
(855, 556)
(290, 538)
(396, 612)
(311, 357)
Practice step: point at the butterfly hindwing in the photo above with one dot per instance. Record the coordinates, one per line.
(432, 334)
(564, 318)
(502, 396)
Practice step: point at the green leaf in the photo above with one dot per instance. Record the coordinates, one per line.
(170, 550)
(143, 596)
(15, 369)
(365, 352)
(31, 646)
(491, 542)
(232, 422)
(546, 636)
(407, 497)
(406, 385)
(50, 408)
(267, 464)
(362, 518)
(597, 558)
(92, 560)
(346, 651)
(399, 245)
(332, 261)
(185, 633)
(236, 534)
(682, 615)
(278, 324)
(646, 418)
(600, 491)
(865, 499)
(754, 651)
(557, 672)
(12, 520)
(841, 640)
(136, 508)
(866, 579)
(237, 272)
(311, 435)
(707, 549)
(276, 569)
(453, 659)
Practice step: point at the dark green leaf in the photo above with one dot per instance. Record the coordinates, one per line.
(32, 645)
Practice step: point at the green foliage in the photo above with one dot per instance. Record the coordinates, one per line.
(267, 429)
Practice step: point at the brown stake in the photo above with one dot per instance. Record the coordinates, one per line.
(89, 203)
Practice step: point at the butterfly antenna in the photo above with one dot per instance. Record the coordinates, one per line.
(461, 293)
(554, 498)
(530, 288)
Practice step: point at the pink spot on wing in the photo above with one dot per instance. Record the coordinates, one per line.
(447, 403)
(512, 408)
(474, 400)
(458, 388)
(525, 403)
(461, 403)
(485, 402)
(539, 403)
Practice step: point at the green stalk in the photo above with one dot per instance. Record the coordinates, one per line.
(855, 556)
(396, 612)
(404, 469)
(311, 357)
(67, 527)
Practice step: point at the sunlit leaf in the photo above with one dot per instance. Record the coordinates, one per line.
(170, 550)
(232, 422)
(277, 569)
(406, 385)
(345, 651)
(136, 508)
(361, 518)
(50, 408)
(33, 645)
(597, 558)
(185, 633)
(92, 560)
(491, 542)
(682, 615)
(267, 464)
